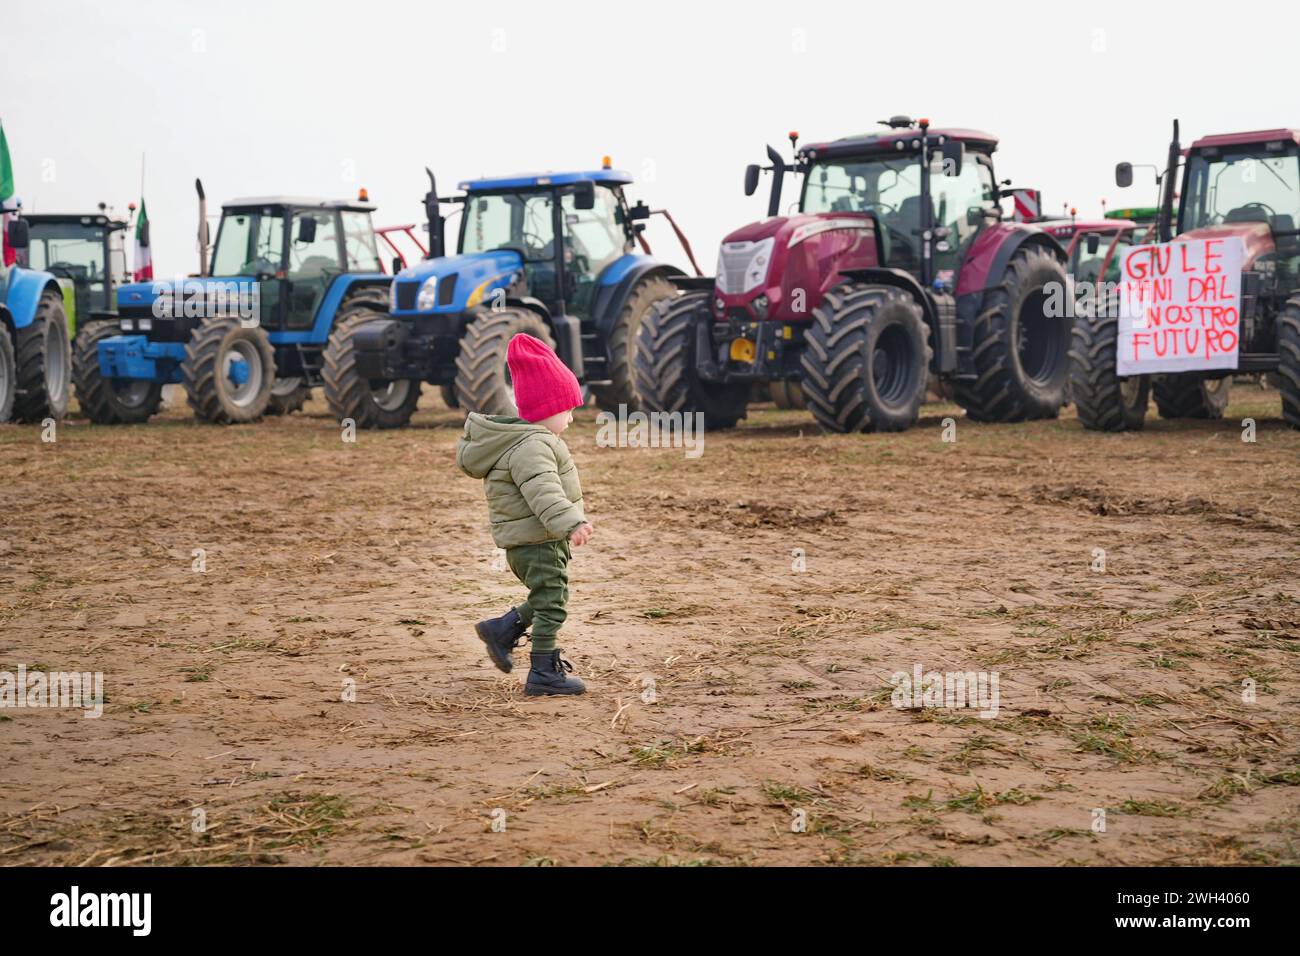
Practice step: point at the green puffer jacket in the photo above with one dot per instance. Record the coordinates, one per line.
(529, 477)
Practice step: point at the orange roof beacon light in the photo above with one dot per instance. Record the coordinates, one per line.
(606, 163)
(363, 195)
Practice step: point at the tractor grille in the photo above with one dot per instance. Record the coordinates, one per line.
(734, 263)
(406, 293)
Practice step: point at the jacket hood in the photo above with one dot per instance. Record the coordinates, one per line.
(487, 437)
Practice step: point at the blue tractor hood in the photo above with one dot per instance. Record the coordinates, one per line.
(463, 281)
(137, 297)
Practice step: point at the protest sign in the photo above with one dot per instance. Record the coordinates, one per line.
(1180, 306)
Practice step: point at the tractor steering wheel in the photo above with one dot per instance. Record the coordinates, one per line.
(883, 207)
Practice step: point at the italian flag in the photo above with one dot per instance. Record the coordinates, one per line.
(6, 193)
(143, 257)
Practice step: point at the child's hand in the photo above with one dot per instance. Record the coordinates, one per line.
(581, 534)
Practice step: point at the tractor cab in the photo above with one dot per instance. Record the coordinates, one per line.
(294, 248)
(86, 253)
(951, 197)
(1248, 185)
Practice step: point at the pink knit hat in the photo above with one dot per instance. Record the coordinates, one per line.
(543, 384)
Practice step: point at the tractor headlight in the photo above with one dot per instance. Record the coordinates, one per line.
(428, 296)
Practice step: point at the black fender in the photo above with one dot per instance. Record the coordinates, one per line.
(611, 299)
(941, 320)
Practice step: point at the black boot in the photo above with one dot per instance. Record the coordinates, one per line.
(502, 635)
(548, 675)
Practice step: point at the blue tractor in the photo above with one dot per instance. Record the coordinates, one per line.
(550, 255)
(245, 337)
(35, 357)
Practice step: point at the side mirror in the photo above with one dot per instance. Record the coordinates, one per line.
(398, 264)
(751, 179)
(584, 195)
(1124, 175)
(1092, 243)
(954, 153)
(307, 230)
(18, 235)
(639, 211)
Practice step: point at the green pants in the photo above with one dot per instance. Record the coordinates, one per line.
(544, 569)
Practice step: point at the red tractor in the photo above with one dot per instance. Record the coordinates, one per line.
(896, 263)
(1243, 185)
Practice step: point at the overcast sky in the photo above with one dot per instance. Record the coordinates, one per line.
(321, 98)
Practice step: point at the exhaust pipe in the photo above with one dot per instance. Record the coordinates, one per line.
(778, 177)
(1170, 184)
(203, 228)
(437, 246)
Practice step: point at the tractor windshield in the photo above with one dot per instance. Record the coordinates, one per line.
(1245, 185)
(522, 221)
(249, 243)
(890, 187)
(72, 251)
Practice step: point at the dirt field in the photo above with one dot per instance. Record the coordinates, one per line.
(329, 562)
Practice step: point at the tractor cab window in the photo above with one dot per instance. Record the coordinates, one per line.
(311, 256)
(522, 222)
(889, 187)
(359, 242)
(959, 204)
(592, 240)
(249, 244)
(1243, 186)
(72, 251)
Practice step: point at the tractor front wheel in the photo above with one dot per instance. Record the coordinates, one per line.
(666, 378)
(865, 360)
(1188, 395)
(368, 404)
(1021, 353)
(1104, 401)
(482, 375)
(109, 401)
(8, 376)
(43, 363)
(1288, 369)
(228, 371)
(622, 345)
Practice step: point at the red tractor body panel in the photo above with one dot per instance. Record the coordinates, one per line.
(1247, 139)
(1256, 235)
(808, 253)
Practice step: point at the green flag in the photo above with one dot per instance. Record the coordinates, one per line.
(6, 168)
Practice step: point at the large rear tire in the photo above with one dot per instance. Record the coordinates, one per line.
(482, 376)
(666, 378)
(1021, 354)
(216, 387)
(1288, 369)
(1103, 400)
(8, 375)
(43, 363)
(865, 360)
(109, 401)
(622, 346)
(1190, 396)
(368, 404)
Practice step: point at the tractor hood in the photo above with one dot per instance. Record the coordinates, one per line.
(1256, 235)
(779, 268)
(459, 282)
(188, 296)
